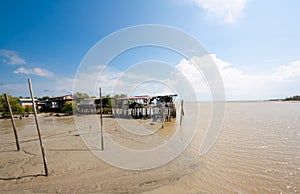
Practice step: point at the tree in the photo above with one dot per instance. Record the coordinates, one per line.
(80, 95)
(15, 106)
(67, 108)
(293, 98)
(44, 98)
(28, 109)
(2, 103)
(120, 96)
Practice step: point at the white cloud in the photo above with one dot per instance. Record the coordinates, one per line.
(240, 85)
(35, 71)
(11, 57)
(289, 71)
(196, 79)
(227, 10)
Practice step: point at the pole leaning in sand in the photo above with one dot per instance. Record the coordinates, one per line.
(181, 112)
(12, 121)
(163, 117)
(37, 127)
(101, 121)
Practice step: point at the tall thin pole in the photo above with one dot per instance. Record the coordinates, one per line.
(101, 121)
(163, 116)
(181, 112)
(38, 128)
(12, 122)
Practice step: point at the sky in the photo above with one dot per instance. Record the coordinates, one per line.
(254, 44)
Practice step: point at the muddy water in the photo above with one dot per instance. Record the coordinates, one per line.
(258, 151)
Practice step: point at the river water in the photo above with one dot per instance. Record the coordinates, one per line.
(258, 151)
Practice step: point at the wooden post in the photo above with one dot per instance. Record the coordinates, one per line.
(181, 112)
(37, 127)
(12, 122)
(101, 122)
(163, 116)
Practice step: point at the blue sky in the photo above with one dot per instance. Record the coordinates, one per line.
(254, 43)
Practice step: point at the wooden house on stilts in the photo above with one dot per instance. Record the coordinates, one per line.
(145, 107)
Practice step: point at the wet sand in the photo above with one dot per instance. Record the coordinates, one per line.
(72, 166)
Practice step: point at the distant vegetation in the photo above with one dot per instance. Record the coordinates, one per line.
(68, 108)
(79, 95)
(15, 106)
(293, 98)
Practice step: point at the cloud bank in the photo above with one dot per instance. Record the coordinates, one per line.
(240, 85)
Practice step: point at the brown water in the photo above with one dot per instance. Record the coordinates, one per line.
(258, 150)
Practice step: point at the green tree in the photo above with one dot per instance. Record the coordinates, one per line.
(120, 96)
(68, 108)
(28, 109)
(44, 98)
(2, 103)
(80, 95)
(293, 98)
(15, 106)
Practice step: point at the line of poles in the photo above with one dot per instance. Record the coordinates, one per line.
(38, 128)
(36, 122)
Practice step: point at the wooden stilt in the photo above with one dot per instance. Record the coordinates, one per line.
(181, 112)
(38, 128)
(163, 117)
(101, 121)
(12, 122)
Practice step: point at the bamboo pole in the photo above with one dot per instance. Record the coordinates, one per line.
(101, 121)
(12, 122)
(38, 128)
(163, 116)
(181, 112)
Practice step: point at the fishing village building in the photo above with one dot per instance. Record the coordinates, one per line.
(136, 107)
(55, 104)
(145, 107)
(24, 102)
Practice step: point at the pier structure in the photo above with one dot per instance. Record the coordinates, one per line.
(145, 107)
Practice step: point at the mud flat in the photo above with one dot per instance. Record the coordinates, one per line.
(72, 166)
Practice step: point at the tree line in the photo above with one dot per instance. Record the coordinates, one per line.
(293, 98)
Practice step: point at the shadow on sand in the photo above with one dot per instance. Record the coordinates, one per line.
(20, 177)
